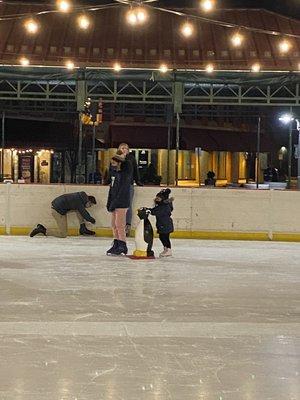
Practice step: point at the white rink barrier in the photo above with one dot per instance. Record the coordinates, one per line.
(198, 213)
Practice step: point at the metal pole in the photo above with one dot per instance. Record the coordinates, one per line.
(93, 150)
(80, 146)
(2, 145)
(298, 155)
(258, 152)
(290, 154)
(177, 146)
(169, 149)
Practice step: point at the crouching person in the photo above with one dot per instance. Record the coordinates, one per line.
(60, 207)
(118, 202)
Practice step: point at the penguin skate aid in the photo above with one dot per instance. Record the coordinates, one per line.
(162, 210)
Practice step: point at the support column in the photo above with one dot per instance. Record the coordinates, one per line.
(81, 94)
(177, 100)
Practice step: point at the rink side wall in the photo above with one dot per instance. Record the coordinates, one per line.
(199, 213)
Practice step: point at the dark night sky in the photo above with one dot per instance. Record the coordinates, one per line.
(288, 7)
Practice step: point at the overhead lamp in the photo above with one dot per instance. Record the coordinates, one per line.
(24, 61)
(256, 68)
(117, 67)
(284, 46)
(83, 22)
(237, 39)
(70, 65)
(141, 15)
(209, 68)
(187, 29)
(286, 118)
(131, 17)
(163, 68)
(207, 5)
(31, 26)
(63, 5)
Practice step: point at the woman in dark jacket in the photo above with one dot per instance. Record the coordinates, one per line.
(118, 202)
(164, 223)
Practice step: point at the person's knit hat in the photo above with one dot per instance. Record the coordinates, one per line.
(164, 194)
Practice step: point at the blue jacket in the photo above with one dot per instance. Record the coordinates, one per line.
(163, 212)
(119, 191)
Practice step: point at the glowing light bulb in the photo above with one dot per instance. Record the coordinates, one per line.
(70, 65)
(63, 5)
(83, 22)
(163, 68)
(209, 68)
(207, 5)
(117, 67)
(31, 26)
(24, 61)
(131, 17)
(285, 46)
(187, 29)
(237, 40)
(256, 68)
(141, 15)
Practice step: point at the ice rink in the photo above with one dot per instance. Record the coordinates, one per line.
(218, 321)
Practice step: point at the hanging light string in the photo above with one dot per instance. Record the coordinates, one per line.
(178, 13)
(55, 11)
(224, 24)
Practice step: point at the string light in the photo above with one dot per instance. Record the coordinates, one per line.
(210, 68)
(285, 46)
(24, 61)
(163, 68)
(256, 68)
(83, 22)
(63, 5)
(237, 40)
(187, 29)
(117, 67)
(70, 65)
(131, 18)
(136, 16)
(141, 15)
(207, 5)
(31, 26)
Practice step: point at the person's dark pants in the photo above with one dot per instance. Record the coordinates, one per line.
(165, 239)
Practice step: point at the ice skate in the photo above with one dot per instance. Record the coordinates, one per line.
(112, 250)
(40, 229)
(121, 249)
(84, 231)
(166, 253)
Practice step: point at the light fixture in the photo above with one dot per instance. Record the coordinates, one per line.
(286, 118)
(31, 26)
(70, 65)
(163, 68)
(207, 5)
(141, 15)
(83, 22)
(284, 46)
(237, 40)
(187, 29)
(117, 67)
(131, 17)
(256, 67)
(24, 61)
(137, 16)
(209, 68)
(63, 5)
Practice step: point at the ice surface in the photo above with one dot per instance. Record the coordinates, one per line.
(218, 321)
